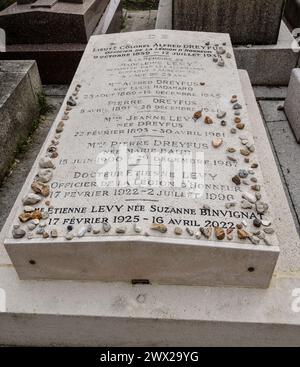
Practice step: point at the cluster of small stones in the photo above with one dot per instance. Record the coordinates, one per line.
(36, 220)
(245, 177)
(221, 54)
(33, 221)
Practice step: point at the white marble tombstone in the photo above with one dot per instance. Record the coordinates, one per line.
(149, 173)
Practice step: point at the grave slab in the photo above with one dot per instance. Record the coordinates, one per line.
(248, 22)
(75, 313)
(266, 64)
(151, 119)
(19, 88)
(291, 105)
(57, 62)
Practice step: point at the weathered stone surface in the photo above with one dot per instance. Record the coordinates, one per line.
(57, 62)
(292, 12)
(292, 105)
(77, 199)
(19, 88)
(266, 64)
(60, 23)
(247, 22)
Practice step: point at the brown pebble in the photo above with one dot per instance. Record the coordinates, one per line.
(54, 155)
(197, 115)
(60, 127)
(47, 202)
(40, 188)
(246, 160)
(240, 126)
(162, 228)
(245, 152)
(243, 234)
(220, 233)
(208, 120)
(217, 142)
(237, 120)
(178, 231)
(45, 234)
(231, 150)
(25, 217)
(239, 226)
(229, 230)
(236, 180)
(254, 165)
(232, 159)
(255, 187)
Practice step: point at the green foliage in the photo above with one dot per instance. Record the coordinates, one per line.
(140, 4)
(43, 105)
(5, 3)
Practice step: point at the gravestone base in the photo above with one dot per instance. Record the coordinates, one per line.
(266, 64)
(291, 105)
(76, 313)
(19, 87)
(147, 260)
(57, 62)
